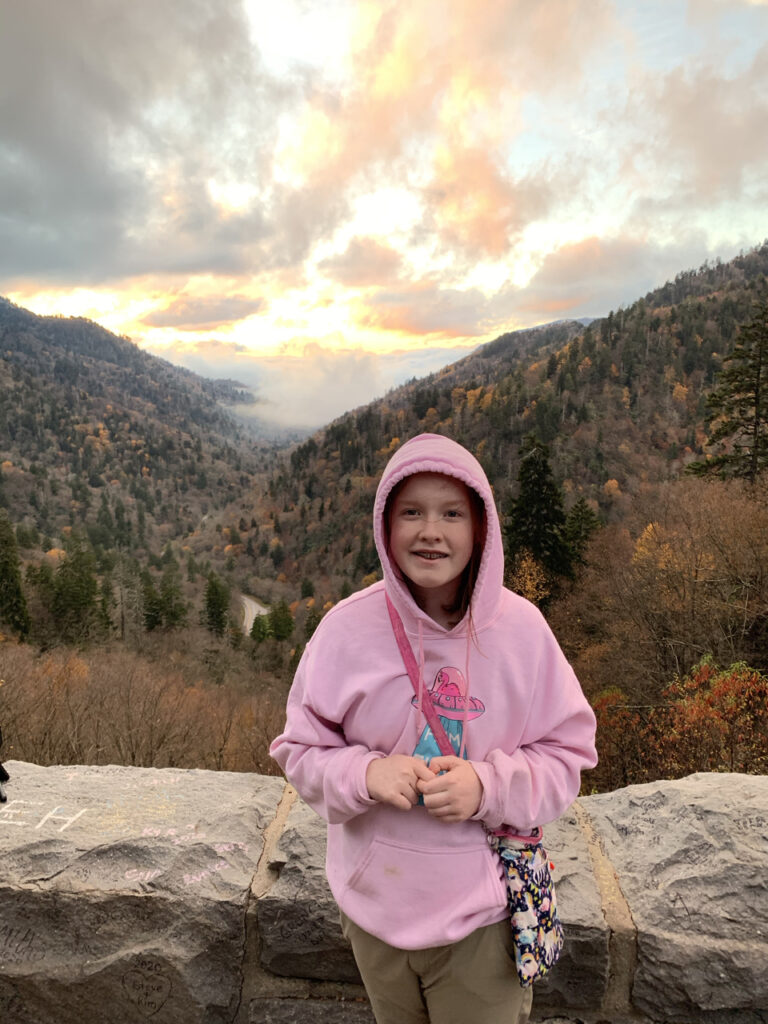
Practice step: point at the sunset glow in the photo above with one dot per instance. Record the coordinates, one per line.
(292, 194)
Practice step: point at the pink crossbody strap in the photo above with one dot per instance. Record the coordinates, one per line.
(431, 715)
(413, 673)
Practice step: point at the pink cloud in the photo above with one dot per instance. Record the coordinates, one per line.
(365, 262)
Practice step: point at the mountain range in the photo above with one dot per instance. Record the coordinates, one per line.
(87, 419)
(137, 507)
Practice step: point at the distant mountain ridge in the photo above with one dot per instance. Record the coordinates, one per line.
(78, 336)
(84, 413)
(87, 417)
(621, 402)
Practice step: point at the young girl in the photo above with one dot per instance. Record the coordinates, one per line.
(422, 894)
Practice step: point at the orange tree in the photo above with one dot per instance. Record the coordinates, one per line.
(708, 720)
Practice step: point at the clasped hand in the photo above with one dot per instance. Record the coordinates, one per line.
(400, 780)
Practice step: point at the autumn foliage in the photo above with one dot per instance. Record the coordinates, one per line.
(123, 708)
(709, 720)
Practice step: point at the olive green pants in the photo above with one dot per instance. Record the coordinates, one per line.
(472, 981)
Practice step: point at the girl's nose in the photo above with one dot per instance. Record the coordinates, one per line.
(431, 527)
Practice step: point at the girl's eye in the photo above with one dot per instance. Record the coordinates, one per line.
(411, 513)
(453, 514)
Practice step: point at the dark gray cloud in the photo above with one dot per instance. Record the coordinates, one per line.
(113, 118)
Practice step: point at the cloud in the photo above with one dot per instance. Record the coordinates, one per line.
(424, 308)
(595, 275)
(115, 118)
(151, 147)
(710, 129)
(204, 314)
(476, 208)
(364, 263)
(307, 388)
(437, 100)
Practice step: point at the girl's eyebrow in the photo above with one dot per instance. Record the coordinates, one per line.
(461, 503)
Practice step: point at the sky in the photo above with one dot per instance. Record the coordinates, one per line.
(325, 198)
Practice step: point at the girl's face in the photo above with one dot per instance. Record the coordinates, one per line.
(432, 533)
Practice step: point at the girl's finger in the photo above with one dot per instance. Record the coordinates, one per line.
(444, 763)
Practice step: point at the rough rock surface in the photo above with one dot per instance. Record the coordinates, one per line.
(307, 1011)
(692, 858)
(123, 892)
(298, 918)
(129, 895)
(581, 976)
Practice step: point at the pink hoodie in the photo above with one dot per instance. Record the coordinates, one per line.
(508, 694)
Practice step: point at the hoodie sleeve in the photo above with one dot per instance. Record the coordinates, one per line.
(312, 750)
(538, 781)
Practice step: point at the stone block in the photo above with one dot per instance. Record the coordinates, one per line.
(580, 977)
(298, 919)
(692, 860)
(124, 891)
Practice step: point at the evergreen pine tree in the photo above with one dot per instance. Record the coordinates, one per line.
(260, 629)
(106, 604)
(13, 604)
(280, 621)
(311, 622)
(580, 523)
(75, 595)
(536, 520)
(738, 407)
(172, 603)
(216, 604)
(152, 603)
(105, 521)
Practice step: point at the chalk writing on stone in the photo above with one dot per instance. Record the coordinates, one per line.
(148, 985)
(138, 875)
(177, 837)
(230, 847)
(13, 810)
(212, 869)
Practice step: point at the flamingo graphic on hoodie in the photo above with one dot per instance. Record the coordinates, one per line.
(449, 696)
(352, 701)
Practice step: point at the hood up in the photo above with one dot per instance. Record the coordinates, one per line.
(433, 453)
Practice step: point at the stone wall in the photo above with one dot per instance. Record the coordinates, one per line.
(192, 897)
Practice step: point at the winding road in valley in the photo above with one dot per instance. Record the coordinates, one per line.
(251, 608)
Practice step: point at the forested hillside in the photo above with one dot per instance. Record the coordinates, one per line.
(136, 510)
(621, 403)
(664, 597)
(82, 410)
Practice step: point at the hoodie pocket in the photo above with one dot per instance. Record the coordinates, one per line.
(413, 887)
